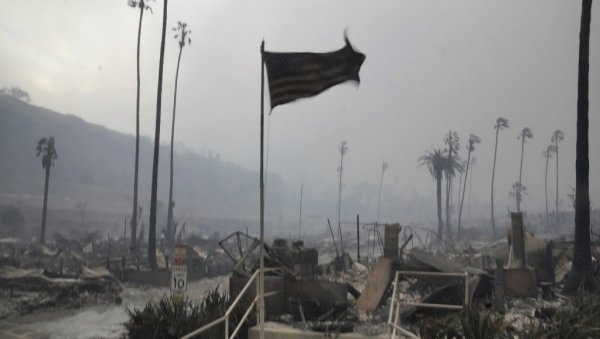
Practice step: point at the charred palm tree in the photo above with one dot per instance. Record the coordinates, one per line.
(524, 135)
(582, 252)
(183, 36)
(153, 195)
(557, 137)
(141, 4)
(46, 149)
(452, 165)
(473, 139)
(435, 160)
(547, 155)
(501, 123)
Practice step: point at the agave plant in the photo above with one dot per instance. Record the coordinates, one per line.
(171, 318)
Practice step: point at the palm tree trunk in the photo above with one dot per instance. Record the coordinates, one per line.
(134, 215)
(153, 196)
(448, 189)
(582, 257)
(518, 195)
(460, 180)
(170, 211)
(557, 215)
(45, 208)
(447, 208)
(492, 189)
(439, 206)
(546, 192)
(462, 200)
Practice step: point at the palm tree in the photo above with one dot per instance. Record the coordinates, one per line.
(557, 137)
(452, 166)
(183, 34)
(582, 253)
(460, 179)
(141, 4)
(501, 123)
(473, 165)
(547, 155)
(153, 195)
(473, 139)
(524, 135)
(46, 149)
(435, 160)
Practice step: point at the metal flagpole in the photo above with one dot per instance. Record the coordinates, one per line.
(261, 275)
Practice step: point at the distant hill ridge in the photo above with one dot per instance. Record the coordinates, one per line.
(95, 166)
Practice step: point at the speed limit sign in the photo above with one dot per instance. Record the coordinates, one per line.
(179, 273)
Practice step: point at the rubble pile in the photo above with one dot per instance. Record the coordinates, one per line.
(512, 285)
(41, 276)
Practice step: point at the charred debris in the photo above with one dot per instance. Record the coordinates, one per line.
(513, 283)
(404, 281)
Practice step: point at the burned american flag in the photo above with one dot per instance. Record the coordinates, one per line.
(301, 75)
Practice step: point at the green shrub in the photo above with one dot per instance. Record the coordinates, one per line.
(169, 318)
(469, 324)
(580, 318)
(478, 324)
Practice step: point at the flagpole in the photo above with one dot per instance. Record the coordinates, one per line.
(261, 275)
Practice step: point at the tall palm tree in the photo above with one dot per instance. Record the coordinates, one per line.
(473, 165)
(183, 35)
(582, 253)
(460, 179)
(452, 165)
(473, 139)
(557, 137)
(524, 135)
(435, 160)
(141, 4)
(501, 123)
(153, 195)
(547, 155)
(47, 150)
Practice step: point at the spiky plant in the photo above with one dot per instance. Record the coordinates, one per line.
(169, 318)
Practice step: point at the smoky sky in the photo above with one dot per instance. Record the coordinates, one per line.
(431, 66)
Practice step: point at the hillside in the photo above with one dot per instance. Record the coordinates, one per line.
(95, 169)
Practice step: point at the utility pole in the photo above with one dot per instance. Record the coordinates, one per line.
(343, 150)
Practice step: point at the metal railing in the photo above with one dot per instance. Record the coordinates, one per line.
(225, 317)
(395, 305)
